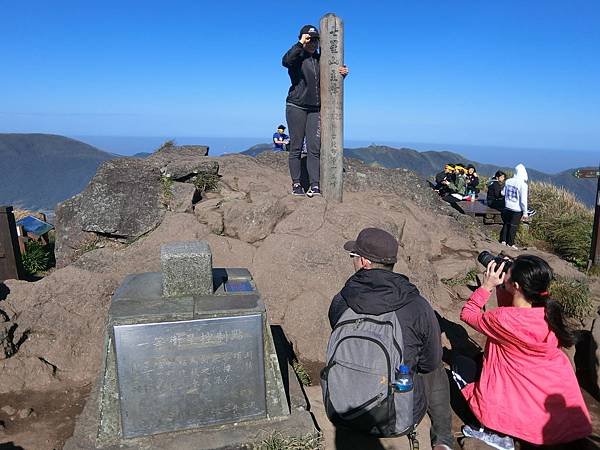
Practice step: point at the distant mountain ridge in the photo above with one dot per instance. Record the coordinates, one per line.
(40, 170)
(37, 171)
(428, 163)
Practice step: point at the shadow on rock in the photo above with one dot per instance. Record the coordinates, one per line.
(459, 339)
(346, 439)
(4, 291)
(10, 446)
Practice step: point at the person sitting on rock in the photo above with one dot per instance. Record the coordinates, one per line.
(494, 198)
(458, 184)
(472, 181)
(375, 289)
(444, 175)
(527, 388)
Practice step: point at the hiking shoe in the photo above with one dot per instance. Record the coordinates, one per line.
(313, 190)
(297, 189)
(503, 243)
(490, 438)
(514, 247)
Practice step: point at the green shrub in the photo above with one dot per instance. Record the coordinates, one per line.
(279, 442)
(206, 181)
(483, 181)
(301, 373)
(574, 296)
(166, 188)
(37, 258)
(561, 221)
(469, 277)
(167, 144)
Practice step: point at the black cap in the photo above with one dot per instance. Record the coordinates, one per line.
(281, 127)
(376, 245)
(311, 30)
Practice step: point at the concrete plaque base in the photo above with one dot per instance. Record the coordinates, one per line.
(186, 363)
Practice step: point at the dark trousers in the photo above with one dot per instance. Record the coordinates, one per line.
(437, 392)
(510, 220)
(465, 370)
(304, 124)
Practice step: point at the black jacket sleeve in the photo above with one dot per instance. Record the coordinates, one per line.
(337, 308)
(431, 353)
(293, 56)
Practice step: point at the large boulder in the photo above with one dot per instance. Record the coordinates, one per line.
(182, 197)
(182, 162)
(123, 200)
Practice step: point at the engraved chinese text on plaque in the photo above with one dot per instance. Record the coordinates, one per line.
(179, 375)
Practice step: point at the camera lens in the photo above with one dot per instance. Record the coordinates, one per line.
(486, 257)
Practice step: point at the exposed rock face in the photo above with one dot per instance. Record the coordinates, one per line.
(182, 197)
(292, 246)
(252, 221)
(61, 319)
(122, 200)
(126, 198)
(183, 161)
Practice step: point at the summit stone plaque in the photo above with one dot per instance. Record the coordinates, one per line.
(180, 375)
(187, 355)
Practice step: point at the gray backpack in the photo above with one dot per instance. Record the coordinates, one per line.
(362, 356)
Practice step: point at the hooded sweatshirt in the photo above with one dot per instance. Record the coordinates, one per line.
(515, 191)
(377, 291)
(527, 387)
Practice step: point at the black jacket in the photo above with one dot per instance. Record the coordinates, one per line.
(494, 198)
(377, 291)
(304, 72)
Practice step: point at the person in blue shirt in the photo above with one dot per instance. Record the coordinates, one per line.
(280, 139)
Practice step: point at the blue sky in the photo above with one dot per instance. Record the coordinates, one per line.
(508, 73)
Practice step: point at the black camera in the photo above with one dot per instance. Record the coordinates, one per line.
(486, 257)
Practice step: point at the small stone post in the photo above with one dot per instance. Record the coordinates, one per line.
(186, 268)
(332, 107)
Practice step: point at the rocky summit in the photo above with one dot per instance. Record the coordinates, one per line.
(291, 245)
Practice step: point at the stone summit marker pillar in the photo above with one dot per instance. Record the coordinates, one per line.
(190, 361)
(332, 107)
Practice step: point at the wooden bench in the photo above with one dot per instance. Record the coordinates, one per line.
(479, 208)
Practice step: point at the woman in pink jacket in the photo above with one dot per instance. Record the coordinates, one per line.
(527, 388)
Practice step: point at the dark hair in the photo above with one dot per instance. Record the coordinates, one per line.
(499, 174)
(534, 276)
(470, 166)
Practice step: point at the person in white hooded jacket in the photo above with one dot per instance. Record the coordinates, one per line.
(515, 205)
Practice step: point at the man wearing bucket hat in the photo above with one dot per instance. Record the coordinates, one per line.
(374, 289)
(303, 105)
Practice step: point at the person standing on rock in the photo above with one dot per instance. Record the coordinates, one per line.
(515, 210)
(303, 105)
(373, 292)
(280, 139)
